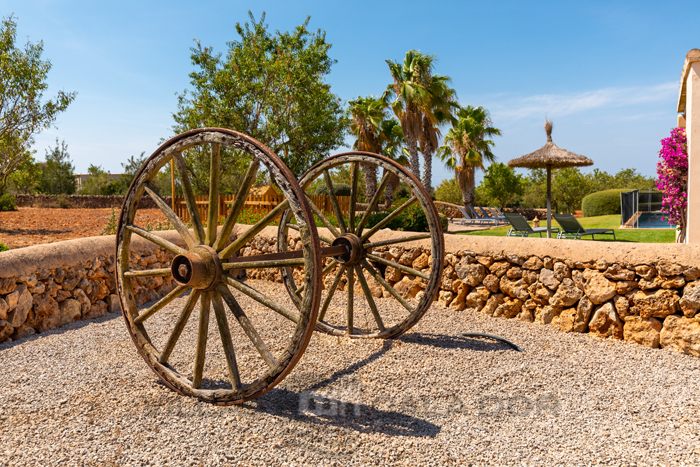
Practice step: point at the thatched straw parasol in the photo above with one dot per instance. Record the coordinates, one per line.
(548, 156)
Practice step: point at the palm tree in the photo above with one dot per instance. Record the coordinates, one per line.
(393, 148)
(438, 112)
(367, 114)
(410, 91)
(467, 147)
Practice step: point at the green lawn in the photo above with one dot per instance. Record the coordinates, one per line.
(599, 222)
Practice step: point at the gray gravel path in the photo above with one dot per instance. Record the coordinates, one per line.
(81, 395)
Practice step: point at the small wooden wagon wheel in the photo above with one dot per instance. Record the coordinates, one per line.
(361, 313)
(203, 265)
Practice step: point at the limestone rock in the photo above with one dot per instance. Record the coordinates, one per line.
(605, 322)
(526, 315)
(62, 295)
(4, 308)
(97, 310)
(29, 281)
(690, 301)
(645, 271)
(622, 306)
(23, 331)
(681, 334)
(6, 330)
(665, 268)
(37, 289)
(477, 298)
(86, 286)
(79, 295)
(12, 300)
(534, 263)
(549, 279)
(58, 275)
(491, 282)
(548, 262)
(567, 318)
(622, 287)
(18, 316)
(644, 331)
(672, 282)
(597, 287)
(492, 303)
(459, 303)
(515, 289)
(70, 311)
(509, 308)
(561, 271)
(514, 273)
(421, 262)
(7, 285)
(583, 315)
(407, 288)
(407, 258)
(577, 277)
(540, 293)
(618, 273)
(659, 304)
(100, 289)
(601, 264)
(70, 283)
(393, 274)
(46, 312)
(530, 276)
(471, 274)
(113, 303)
(515, 259)
(567, 294)
(499, 268)
(445, 298)
(545, 314)
(485, 261)
(691, 274)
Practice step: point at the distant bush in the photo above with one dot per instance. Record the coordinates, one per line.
(340, 189)
(448, 191)
(412, 220)
(603, 203)
(7, 203)
(4, 247)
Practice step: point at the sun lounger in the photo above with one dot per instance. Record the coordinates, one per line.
(479, 218)
(467, 219)
(519, 227)
(571, 228)
(487, 214)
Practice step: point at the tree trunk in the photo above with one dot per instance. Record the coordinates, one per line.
(389, 195)
(413, 152)
(428, 168)
(465, 180)
(370, 181)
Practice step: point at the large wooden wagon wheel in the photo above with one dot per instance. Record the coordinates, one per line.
(203, 266)
(359, 312)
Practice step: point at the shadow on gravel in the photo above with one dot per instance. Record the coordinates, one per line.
(453, 342)
(323, 405)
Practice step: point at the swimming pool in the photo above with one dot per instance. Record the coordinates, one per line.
(652, 220)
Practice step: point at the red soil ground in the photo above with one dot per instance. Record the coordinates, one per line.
(34, 226)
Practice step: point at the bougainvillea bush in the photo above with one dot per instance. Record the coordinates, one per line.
(672, 170)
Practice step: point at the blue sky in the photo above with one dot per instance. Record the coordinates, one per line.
(606, 73)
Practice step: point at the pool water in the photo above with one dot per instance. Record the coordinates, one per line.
(652, 220)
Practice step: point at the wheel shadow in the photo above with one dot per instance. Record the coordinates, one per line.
(454, 342)
(319, 404)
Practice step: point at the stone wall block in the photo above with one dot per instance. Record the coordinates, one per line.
(515, 259)
(691, 274)
(6, 330)
(509, 308)
(492, 303)
(47, 313)
(4, 308)
(491, 282)
(477, 298)
(622, 306)
(666, 268)
(459, 303)
(622, 287)
(7, 285)
(567, 294)
(18, 316)
(618, 273)
(534, 263)
(606, 323)
(690, 301)
(516, 289)
(561, 270)
(471, 274)
(549, 278)
(681, 334)
(531, 276)
(545, 314)
(12, 300)
(445, 298)
(644, 331)
(499, 268)
(70, 311)
(514, 273)
(597, 287)
(584, 310)
(567, 318)
(657, 304)
(645, 271)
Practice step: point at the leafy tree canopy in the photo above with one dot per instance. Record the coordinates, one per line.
(57, 172)
(502, 185)
(269, 86)
(23, 77)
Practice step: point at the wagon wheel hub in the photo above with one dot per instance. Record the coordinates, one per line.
(355, 250)
(200, 268)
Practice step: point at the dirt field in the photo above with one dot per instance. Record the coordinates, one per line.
(34, 226)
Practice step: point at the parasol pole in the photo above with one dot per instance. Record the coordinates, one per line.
(549, 202)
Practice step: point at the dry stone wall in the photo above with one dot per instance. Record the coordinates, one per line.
(79, 201)
(643, 294)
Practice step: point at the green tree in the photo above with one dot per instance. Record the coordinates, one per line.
(129, 168)
(269, 86)
(394, 148)
(366, 117)
(27, 177)
(23, 77)
(502, 185)
(569, 187)
(57, 172)
(535, 195)
(99, 183)
(448, 191)
(467, 147)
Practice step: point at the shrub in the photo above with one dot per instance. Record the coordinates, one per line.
(412, 219)
(4, 247)
(602, 203)
(111, 227)
(340, 189)
(63, 202)
(7, 203)
(448, 190)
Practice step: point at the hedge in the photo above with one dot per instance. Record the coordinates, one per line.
(602, 203)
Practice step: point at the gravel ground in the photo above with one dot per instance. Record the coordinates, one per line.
(81, 395)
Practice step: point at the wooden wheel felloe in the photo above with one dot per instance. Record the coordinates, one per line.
(358, 312)
(205, 266)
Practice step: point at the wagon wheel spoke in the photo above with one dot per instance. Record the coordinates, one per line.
(189, 197)
(373, 203)
(395, 265)
(202, 334)
(273, 263)
(213, 207)
(238, 204)
(351, 292)
(386, 285)
(179, 326)
(172, 218)
(368, 296)
(389, 218)
(355, 169)
(334, 202)
(225, 334)
(394, 241)
(291, 315)
(323, 218)
(331, 291)
(253, 231)
(148, 273)
(325, 271)
(247, 326)
(176, 292)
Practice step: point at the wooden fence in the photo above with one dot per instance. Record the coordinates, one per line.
(253, 204)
